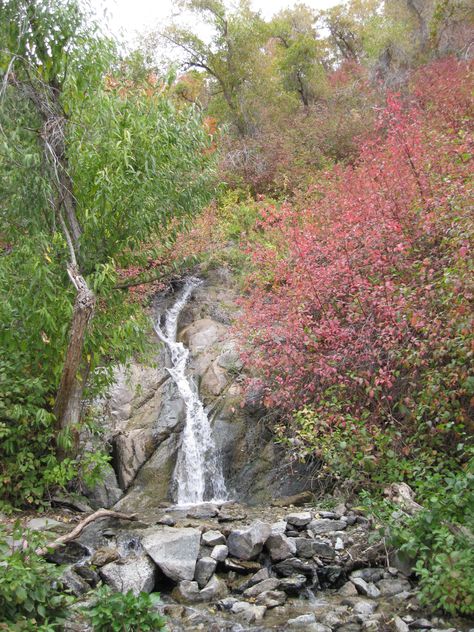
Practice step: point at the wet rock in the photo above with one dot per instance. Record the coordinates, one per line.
(364, 607)
(247, 544)
(400, 625)
(211, 538)
(297, 500)
(216, 588)
(242, 566)
(186, 592)
(331, 577)
(389, 587)
(70, 553)
(175, 551)
(104, 556)
(205, 568)
(86, 572)
(267, 584)
(220, 552)
(280, 547)
(299, 520)
(292, 585)
(205, 510)
(271, 598)
(295, 566)
(368, 574)
(349, 627)
(44, 524)
(135, 573)
(302, 621)
(421, 624)
(336, 617)
(167, 521)
(231, 512)
(226, 603)
(325, 525)
(261, 575)
(348, 590)
(74, 583)
(308, 548)
(249, 612)
(365, 588)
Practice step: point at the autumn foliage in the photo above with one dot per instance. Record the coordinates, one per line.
(360, 303)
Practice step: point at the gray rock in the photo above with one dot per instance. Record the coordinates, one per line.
(131, 449)
(302, 621)
(331, 515)
(43, 524)
(226, 603)
(308, 548)
(293, 585)
(325, 525)
(104, 556)
(74, 583)
(271, 598)
(216, 588)
(364, 607)
(220, 552)
(249, 612)
(389, 587)
(370, 625)
(295, 566)
(348, 590)
(106, 493)
(86, 572)
(300, 519)
(186, 592)
(255, 579)
(421, 624)
(211, 538)
(167, 520)
(339, 545)
(205, 568)
(368, 574)
(136, 573)
(279, 528)
(366, 588)
(331, 576)
(280, 547)
(400, 625)
(204, 510)
(175, 551)
(247, 544)
(267, 584)
(349, 627)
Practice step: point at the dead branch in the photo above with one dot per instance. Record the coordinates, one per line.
(72, 535)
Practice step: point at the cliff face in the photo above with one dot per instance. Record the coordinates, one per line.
(143, 415)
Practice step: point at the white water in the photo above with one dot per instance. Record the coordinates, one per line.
(198, 471)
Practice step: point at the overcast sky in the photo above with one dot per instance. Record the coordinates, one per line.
(126, 17)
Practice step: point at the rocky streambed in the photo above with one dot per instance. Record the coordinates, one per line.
(234, 568)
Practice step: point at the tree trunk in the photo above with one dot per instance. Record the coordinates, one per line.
(67, 407)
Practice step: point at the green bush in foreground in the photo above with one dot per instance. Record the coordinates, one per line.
(30, 597)
(125, 612)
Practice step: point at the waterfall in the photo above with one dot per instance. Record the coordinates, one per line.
(198, 471)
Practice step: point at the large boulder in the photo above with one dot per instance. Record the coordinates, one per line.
(247, 544)
(135, 573)
(175, 551)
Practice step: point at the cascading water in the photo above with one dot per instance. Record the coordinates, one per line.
(198, 471)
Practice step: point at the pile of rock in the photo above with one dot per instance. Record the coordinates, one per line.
(261, 572)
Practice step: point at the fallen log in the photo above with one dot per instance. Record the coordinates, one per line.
(76, 532)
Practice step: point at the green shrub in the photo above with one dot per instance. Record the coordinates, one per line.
(30, 597)
(125, 612)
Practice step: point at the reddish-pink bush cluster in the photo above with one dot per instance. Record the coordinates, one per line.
(361, 302)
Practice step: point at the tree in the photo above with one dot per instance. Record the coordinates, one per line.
(228, 59)
(94, 161)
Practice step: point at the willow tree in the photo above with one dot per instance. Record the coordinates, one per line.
(93, 162)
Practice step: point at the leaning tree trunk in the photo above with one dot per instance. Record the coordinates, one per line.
(67, 407)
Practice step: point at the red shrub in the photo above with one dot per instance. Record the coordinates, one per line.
(366, 293)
